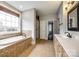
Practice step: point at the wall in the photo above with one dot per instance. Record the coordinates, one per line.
(63, 16)
(3, 3)
(29, 22)
(44, 25)
(28, 19)
(60, 16)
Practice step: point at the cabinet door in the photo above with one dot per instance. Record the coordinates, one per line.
(55, 45)
(59, 51)
(64, 53)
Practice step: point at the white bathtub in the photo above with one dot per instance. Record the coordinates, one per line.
(9, 41)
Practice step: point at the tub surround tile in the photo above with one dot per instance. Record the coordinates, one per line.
(16, 49)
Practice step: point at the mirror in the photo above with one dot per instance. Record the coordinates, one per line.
(73, 19)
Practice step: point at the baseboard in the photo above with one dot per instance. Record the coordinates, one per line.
(44, 39)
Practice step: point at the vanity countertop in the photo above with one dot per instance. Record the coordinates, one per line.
(71, 46)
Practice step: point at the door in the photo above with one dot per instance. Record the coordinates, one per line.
(50, 30)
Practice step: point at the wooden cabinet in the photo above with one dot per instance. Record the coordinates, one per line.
(64, 54)
(59, 51)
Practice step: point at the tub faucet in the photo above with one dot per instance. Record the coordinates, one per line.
(68, 34)
(24, 34)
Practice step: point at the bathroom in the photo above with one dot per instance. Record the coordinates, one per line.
(24, 29)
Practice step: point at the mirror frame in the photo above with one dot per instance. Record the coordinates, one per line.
(73, 29)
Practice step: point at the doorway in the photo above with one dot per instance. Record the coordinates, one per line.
(50, 30)
(37, 29)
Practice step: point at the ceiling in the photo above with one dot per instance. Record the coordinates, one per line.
(42, 7)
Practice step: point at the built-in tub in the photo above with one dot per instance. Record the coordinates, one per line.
(9, 41)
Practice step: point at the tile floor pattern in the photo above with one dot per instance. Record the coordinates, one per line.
(44, 48)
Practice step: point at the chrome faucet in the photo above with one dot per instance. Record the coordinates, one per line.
(24, 34)
(68, 34)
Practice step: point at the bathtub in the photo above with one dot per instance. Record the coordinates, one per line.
(9, 41)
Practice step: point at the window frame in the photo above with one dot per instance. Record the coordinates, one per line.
(14, 14)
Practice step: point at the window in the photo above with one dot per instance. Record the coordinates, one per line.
(9, 22)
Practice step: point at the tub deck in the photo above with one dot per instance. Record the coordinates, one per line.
(16, 49)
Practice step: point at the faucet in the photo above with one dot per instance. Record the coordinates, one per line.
(24, 34)
(68, 34)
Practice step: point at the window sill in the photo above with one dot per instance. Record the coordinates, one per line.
(11, 32)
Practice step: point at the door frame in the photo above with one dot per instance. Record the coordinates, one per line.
(50, 22)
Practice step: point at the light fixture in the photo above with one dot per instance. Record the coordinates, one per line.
(69, 3)
(66, 7)
(72, 2)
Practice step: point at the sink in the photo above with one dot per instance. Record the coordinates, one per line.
(70, 45)
(65, 37)
(73, 52)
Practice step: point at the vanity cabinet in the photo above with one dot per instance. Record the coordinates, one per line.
(59, 51)
(64, 54)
